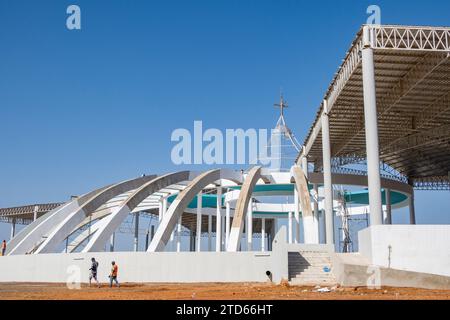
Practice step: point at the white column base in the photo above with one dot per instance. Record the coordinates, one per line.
(311, 230)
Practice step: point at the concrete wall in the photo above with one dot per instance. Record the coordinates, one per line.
(143, 267)
(418, 248)
(353, 270)
(152, 266)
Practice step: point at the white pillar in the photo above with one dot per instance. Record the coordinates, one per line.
(179, 234)
(250, 226)
(273, 232)
(199, 221)
(111, 242)
(296, 216)
(290, 227)
(136, 231)
(209, 231)
(328, 201)
(223, 234)
(412, 212)
(227, 223)
(35, 212)
(219, 220)
(316, 211)
(13, 228)
(370, 120)
(263, 234)
(388, 206)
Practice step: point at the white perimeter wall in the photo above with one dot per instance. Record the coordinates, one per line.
(151, 266)
(141, 267)
(420, 248)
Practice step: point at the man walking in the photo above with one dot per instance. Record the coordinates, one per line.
(93, 274)
(113, 275)
(3, 247)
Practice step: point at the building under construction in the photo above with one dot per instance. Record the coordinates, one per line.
(381, 132)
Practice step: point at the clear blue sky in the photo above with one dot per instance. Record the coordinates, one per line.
(81, 109)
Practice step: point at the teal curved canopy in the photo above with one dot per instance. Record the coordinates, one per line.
(353, 197)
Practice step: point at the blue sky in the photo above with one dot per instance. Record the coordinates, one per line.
(81, 109)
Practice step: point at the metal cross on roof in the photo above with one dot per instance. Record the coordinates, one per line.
(283, 104)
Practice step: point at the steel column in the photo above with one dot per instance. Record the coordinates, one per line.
(227, 223)
(199, 222)
(412, 212)
(388, 206)
(111, 242)
(179, 233)
(13, 228)
(136, 232)
(250, 226)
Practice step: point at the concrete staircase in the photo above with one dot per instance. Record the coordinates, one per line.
(310, 268)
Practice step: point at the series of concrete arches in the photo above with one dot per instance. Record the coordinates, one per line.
(46, 234)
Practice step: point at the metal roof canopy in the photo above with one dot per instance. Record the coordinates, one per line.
(412, 76)
(25, 214)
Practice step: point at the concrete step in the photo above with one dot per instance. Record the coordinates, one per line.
(311, 276)
(309, 261)
(310, 253)
(310, 270)
(307, 282)
(307, 268)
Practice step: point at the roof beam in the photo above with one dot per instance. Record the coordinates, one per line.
(432, 136)
(413, 78)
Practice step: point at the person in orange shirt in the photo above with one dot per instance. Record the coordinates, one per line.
(113, 275)
(3, 247)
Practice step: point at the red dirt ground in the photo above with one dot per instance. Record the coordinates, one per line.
(210, 291)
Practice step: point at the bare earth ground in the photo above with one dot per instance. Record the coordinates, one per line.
(210, 291)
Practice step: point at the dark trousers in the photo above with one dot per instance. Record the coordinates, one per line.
(113, 278)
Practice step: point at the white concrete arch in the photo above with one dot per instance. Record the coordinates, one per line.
(310, 227)
(181, 202)
(114, 220)
(66, 227)
(241, 208)
(35, 233)
(83, 236)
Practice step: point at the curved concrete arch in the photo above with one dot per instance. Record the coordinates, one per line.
(178, 206)
(32, 226)
(32, 235)
(65, 228)
(301, 184)
(241, 208)
(83, 236)
(231, 175)
(114, 220)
